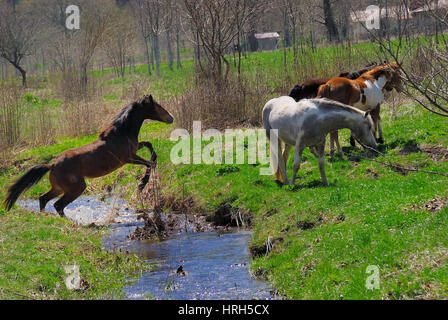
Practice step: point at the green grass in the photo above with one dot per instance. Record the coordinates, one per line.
(35, 249)
(325, 237)
(328, 235)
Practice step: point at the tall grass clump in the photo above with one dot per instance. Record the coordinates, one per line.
(235, 102)
(11, 114)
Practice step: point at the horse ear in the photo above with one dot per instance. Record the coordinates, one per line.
(148, 99)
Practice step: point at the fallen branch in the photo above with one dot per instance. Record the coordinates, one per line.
(393, 165)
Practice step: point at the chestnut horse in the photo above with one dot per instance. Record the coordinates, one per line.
(365, 93)
(116, 146)
(309, 88)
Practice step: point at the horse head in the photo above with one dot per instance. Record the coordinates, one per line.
(154, 111)
(296, 92)
(364, 134)
(393, 77)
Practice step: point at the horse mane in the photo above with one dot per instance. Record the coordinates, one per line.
(353, 75)
(121, 123)
(332, 104)
(378, 71)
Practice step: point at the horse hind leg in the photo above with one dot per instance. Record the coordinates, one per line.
(334, 139)
(297, 160)
(380, 132)
(43, 199)
(70, 195)
(319, 152)
(281, 170)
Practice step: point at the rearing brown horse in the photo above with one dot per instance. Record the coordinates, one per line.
(116, 146)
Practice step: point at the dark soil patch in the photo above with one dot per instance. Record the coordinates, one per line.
(410, 147)
(305, 225)
(228, 215)
(436, 153)
(258, 251)
(154, 226)
(433, 205)
(373, 173)
(161, 227)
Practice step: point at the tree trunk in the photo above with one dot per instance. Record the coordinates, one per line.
(179, 60)
(329, 21)
(22, 73)
(253, 44)
(239, 53)
(170, 50)
(157, 53)
(151, 53)
(83, 78)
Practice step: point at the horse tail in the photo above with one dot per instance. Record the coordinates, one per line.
(29, 179)
(272, 153)
(278, 173)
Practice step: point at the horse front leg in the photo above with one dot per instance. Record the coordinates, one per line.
(376, 118)
(152, 165)
(319, 153)
(135, 159)
(148, 145)
(297, 160)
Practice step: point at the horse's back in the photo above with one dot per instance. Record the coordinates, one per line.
(288, 116)
(342, 90)
(91, 160)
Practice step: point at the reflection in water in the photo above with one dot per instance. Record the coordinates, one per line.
(216, 265)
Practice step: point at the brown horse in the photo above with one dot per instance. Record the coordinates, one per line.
(309, 88)
(365, 93)
(116, 146)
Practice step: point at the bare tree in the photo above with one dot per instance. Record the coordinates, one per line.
(177, 25)
(118, 40)
(330, 24)
(216, 25)
(18, 30)
(425, 67)
(169, 27)
(137, 9)
(151, 15)
(95, 20)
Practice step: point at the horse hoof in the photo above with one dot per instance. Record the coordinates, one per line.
(141, 187)
(352, 142)
(380, 140)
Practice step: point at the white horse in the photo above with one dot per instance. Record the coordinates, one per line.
(306, 124)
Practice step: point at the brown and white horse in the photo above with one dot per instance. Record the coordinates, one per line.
(310, 87)
(365, 93)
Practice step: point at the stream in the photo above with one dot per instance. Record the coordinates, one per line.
(214, 264)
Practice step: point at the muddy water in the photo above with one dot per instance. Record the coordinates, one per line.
(215, 264)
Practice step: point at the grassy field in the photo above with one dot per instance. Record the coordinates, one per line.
(323, 238)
